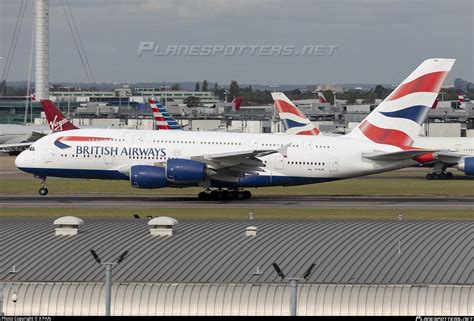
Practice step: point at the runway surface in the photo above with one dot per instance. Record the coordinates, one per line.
(188, 201)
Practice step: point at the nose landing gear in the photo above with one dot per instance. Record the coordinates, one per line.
(43, 189)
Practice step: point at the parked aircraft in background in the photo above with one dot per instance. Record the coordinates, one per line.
(55, 118)
(230, 162)
(463, 99)
(163, 119)
(15, 138)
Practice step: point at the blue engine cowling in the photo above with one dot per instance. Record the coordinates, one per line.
(468, 166)
(145, 176)
(185, 171)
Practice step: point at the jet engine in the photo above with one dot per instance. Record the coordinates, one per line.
(466, 165)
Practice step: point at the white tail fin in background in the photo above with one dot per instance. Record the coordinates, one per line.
(322, 99)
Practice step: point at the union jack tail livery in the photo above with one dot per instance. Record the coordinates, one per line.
(322, 99)
(398, 119)
(163, 119)
(56, 120)
(294, 121)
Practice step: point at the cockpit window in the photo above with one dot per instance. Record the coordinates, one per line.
(32, 149)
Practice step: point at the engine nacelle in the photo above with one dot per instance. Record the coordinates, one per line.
(467, 166)
(185, 171)
(145, 176)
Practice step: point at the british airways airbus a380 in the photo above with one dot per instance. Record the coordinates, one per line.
(230, 162)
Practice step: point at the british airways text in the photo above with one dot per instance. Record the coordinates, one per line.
(125, 151)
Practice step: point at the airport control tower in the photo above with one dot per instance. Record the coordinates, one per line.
(41, 49)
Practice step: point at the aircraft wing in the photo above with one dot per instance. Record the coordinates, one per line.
(449, 157)
(6, 146)
(233, 165)
(397, 156)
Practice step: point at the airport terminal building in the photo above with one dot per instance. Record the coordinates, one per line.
(225, 267)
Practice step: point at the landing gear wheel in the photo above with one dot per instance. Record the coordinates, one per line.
(213, 195)
(449, 175)
(202, 196)
(221, 195)
(246, 194)
(43, 189)
(429, 176)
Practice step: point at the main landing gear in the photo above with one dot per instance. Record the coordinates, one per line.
(221, 195)
(442, 175)
(43, 189)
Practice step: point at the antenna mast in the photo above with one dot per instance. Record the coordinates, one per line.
(42, 49)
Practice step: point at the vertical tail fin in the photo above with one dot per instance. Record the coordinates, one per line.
(237, 103)
(294, 121)
(398, 119)
(322, 99)
(56, 120)
(463, 99)
(163, 119)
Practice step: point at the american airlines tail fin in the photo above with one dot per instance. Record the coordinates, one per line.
(163, 119)
(56, 120)
(294, 121)
(398, 119)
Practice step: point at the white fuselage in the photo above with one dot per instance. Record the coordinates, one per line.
(461, 145)
(309, 159)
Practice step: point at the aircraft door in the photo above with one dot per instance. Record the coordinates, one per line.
(278, 161)
(137, 140)
(333, 165)
(49, 156)
(254, 144)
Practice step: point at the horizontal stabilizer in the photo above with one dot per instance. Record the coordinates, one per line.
(397, 156)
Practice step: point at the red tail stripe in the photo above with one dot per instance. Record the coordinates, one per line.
(312, 132)
(83, 138)
(163, 127)
(284, 107)
(385, 136)
(431, 82)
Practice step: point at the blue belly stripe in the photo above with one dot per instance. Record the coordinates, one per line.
(247, 181)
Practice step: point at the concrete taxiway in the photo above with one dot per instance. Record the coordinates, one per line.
(189, 201)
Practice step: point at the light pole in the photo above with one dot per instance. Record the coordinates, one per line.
(14, 295)
(293, 283)
(226, 92)
(274, 109)
(68, 101)
(108, 277)
(165, 87)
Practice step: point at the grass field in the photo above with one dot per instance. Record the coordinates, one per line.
(400, 183)
(240, 214)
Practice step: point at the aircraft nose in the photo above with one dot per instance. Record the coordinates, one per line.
(21, 160)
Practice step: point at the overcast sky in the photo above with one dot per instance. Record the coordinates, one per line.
(378, 41)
